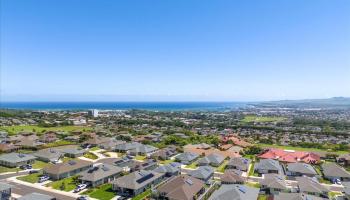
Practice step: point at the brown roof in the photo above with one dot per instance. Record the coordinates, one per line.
(206, 152)
(181, 187)
(67, 166)
(232, 176)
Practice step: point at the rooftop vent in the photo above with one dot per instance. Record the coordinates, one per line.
(189, 181)
(242, 188)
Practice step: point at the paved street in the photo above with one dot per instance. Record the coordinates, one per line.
(23, 189)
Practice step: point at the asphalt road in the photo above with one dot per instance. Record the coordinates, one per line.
(23, 190)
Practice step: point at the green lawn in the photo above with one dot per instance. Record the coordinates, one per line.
(299, 148)
(103, 192)
(262, 197)
(222, 167)
(94, 149)
(57, 144)
(253, 118)
(192, 165)
(142, 195)
(69, 185)
(164, 162)
(332, 194)
(31, 178)
(40, 164)
(256, 185)
(90, 156)
(138, 157)
(251, 170)
(38, 129)
(7, 169)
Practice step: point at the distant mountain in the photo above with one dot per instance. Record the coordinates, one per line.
(335, 102)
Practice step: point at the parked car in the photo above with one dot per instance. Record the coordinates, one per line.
(82, 198)
(33, 171)
(26, 167)
(43, 178)
(337, 181)
(122, 198)
(80, 187)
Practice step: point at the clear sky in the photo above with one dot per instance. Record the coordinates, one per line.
(174, 49)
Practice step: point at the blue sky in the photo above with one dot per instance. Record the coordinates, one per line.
(174, 50)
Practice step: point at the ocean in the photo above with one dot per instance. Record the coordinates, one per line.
(159, 106)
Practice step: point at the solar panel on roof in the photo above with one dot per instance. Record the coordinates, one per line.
(144, 178)
(242, 189)
(189, 181)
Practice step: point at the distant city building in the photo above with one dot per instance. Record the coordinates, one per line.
(93, 113)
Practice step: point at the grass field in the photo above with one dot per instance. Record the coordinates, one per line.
(192, 165)
(300, 148)
(141, 158)
(253, 118)
(164, 162)
(31, 178)
(40, 164)
(90, 156)
(7, 169)
(69, 185)
(103, 192)
(142, 195)
(37, 129)
(222, 167)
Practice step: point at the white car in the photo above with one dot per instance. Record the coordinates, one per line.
(80, 187)
(43, 179)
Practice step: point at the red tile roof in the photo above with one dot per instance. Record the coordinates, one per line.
(290, 156)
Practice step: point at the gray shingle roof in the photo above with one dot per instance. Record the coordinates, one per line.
(50, 154)
(235, 192)
(307, 184)
(100, 172)
(268, 164)
(4, 186)
(136, 179)
(168, 168)
(242, 163)
(275, 181)
(296, 196)
(301, 168)
(187, 156)
(212, 159)
(332, 169)
(203, 172)
(16, 157)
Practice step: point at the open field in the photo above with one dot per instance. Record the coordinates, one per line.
(38, 129)
(300, 148)
(253, 118)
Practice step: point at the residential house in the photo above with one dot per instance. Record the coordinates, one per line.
(290, 156)
(204, 173)
(136, 182)
(145, 150)
(36, 196)
(239, 163)
(8, 147)
(16, 159)
(213, 159)
(165, 154)
(49, 137)
(100, 174)
(232, 176)
(344, 159)
(186, 158)
(5, 191)
(111, 144)
(171, 169)
(296, 196)
(148, 164)
(181, 187)
(236, 192)
(48, 155)
(273, 183)
(73, 152)
(67, 169)
(311, 186)
(333, 171)
(268, 166)
(300, 169)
